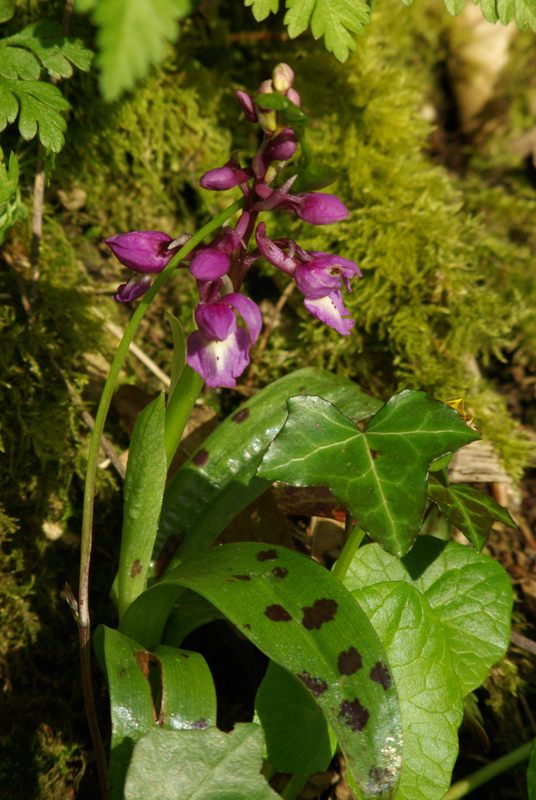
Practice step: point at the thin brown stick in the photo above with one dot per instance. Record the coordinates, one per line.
(522, 641)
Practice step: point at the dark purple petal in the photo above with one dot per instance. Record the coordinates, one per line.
(331, 310)
(135, 287)
(249, 311)
(319, 208)
(222, 178)
(245, 101)
(219, 363)
(272, 253)
(141, 251)
(281, 147)
(215, 320)
(209, 264)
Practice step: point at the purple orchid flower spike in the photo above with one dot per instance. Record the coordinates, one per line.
(223, 178)
(219, 349)
(317, 275)
(142, 251)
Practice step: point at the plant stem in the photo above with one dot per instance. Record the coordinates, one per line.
(340, 568)
(179, 408)
(481, 776)
(89, 489)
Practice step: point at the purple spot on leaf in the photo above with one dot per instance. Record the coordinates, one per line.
(316, 685)
(380, 673)
(277, 613)
(322, 610)
(349, 661)
(136, 568)
(242, 577)
(374, 454)
(279, 572)
(200, 458)
(266, 555)
(199, 724)
(241, 416)
(353, 714)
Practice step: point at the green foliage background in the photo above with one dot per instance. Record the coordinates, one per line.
(446, 256)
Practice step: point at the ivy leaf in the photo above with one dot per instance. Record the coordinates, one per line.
(263, 8)
(204, 764)
(469, 593)
(132, 37)
(335, 20)
(469, 510)
(379, 474)
(431, 704)
(220, 479)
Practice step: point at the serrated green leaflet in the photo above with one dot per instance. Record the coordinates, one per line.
(296, 732)
(220, 479)
(132, 37)
(469, 510)
(335, 20)
(205, 765)
(262, 8)
(379, 474)
(469, 593)
(40, 105)
(522, 11)
(302, 618)
(430, 697)
(55, 52)
(143, 493)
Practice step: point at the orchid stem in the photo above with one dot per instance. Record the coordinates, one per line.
(490, 771)
(355, 537)
(121, 353)
(179, 408)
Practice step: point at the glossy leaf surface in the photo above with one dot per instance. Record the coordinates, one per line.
(296, 732)
(470, 510)
(200, 765)
(302, 618)
(143, 493)
(220, 479)
(469, 593)
(187, 695)
(379, 474)
(430, 697)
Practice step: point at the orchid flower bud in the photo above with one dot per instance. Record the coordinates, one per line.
(245, 101)
(282, 78)
(222, 178)
(319, 208)
(142, 251)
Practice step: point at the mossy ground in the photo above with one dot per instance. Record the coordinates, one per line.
(446, 256)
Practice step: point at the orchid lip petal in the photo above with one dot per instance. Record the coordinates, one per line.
(215, 320)
(331, 310)
(219, 363)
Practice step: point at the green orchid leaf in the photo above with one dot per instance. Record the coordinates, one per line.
(335, 20)
(531, 773)
(189, 613)
(262, 8)
(469, 510)
(188, 696)
(431, 703)
(379, 474)
(302, 618)
(143, 492)
(296, 731)
(199, 765)
(470, 594)
(220, 479)
(178, 360)
(125, 664)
